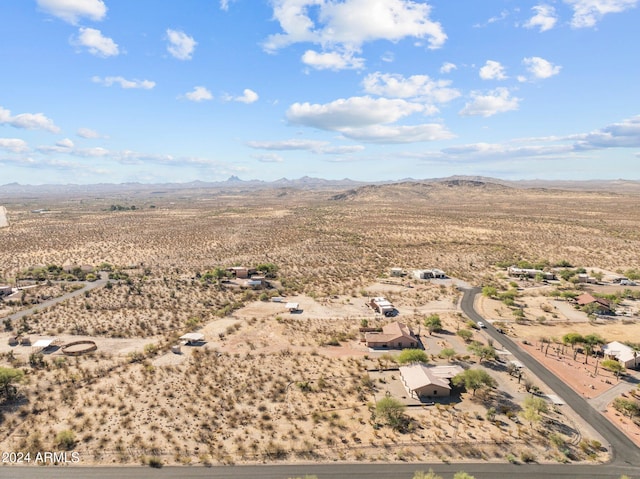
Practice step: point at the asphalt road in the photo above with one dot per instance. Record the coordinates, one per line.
(324, 471)
(624, 451)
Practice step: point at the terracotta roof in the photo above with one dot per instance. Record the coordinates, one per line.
(397, 330)
(586, 298)
(390, 332)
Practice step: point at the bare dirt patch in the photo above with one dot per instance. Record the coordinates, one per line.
(580, 376)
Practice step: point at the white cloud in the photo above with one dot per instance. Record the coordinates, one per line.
(72, 10)
(65, 143)
(28, 121)
(315, 146)
(586, 13)
(248, 96)
(496, 101)
(124, 83)
(96, 43)
(388, 57)
(495, 19)
(415, 86)
(625, 134)
(367, 119)
(500, 151)
(545, 18)
(332, 60)
(398, 134)
(447, 67)
(340, 150)
(15, 145)
(199, 93)
(88, 133)
(268, 158)
(345, 26)
(541, 68)
(181, 45)
(351, 112)
(224, 4)
(96, 152)
(492, 70)
(286, 145)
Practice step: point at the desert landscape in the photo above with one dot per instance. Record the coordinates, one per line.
(269, 382)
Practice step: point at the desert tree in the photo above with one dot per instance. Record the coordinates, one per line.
(532, 409)
(489, 291)
(628, 407)
(8, 377)
(408, 356)
(448, 353)
(614, 366)
(482, 351)
(433, 323)
(391, 411)
(572, 339)
(465, 334)
(473, 379)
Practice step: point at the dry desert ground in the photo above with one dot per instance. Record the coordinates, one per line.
(267, 384)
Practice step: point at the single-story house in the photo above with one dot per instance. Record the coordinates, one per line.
(585, 278)
(241, 272)
(422, 381)
(397, 272)
(623, 353)
(429, 273)
(255, 282)
(192, 338)
(381, 305)
(393, 336)
(516, 272)
(601, 305)
(70, 267)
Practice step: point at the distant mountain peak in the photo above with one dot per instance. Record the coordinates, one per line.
(233, 179)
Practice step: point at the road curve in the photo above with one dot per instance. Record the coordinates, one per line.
(624, 451)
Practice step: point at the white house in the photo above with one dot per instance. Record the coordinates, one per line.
(623, 353)
(429, 273)
(381, 305)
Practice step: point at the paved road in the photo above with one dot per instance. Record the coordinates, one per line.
(624, 451)
(324, 471)
(88, 286)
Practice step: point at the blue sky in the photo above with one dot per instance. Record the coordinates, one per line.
(111, 91)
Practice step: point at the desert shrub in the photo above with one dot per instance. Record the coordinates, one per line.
(391, 411)
(66, 439)
(527, 456)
